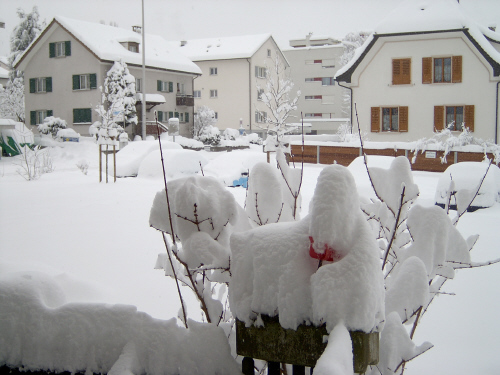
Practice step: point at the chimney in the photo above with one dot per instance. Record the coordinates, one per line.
(183, 43)
(137, 29)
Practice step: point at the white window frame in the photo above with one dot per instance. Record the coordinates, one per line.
(260, 72)
(197, 94)
(84, 81)
(60, 49)
(213, 71)
(180, 88)
(40, 116)
(260, 117)
(214, 94)
(40, 85)
(138, 85)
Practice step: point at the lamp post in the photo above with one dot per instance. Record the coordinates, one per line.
(143, 111)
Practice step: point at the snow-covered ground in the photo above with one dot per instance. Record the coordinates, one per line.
(78, 240)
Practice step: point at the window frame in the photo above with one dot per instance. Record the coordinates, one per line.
(390, 117)
(90, 80)
(260, 72)
(138, 85)
(260, 117)
(213, 71)
(457, 126)
(196, 94)
(443, 70)
(88, 111)
(214, 94)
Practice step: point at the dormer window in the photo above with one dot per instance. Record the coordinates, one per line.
(133, 47)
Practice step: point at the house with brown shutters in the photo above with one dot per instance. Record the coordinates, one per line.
(426, 68)
(68, 62)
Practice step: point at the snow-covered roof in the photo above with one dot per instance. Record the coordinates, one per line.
(104, 42)
(151, 98)
(235, 47)
(428, 16)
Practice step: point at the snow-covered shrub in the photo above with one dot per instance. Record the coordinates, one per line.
(231, 134)
(83, 165)
(51, 125)
(199, 216)
(210, 135)
(253, 138)
(33, 162)
(203, 118)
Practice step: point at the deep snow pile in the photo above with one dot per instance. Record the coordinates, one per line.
(43, 332)
(286, 281)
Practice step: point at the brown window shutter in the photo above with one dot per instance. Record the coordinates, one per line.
(438, 117)
(375, 123)
(403, 119)
(469, 117)
(396, 71)
(426, 69)
(456, 66)
(406, 71)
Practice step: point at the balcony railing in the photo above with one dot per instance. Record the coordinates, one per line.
(185, 100)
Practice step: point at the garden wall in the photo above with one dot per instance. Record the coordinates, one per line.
(427, 161)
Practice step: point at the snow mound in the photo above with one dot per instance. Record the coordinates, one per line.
(178, 163)
(40, 332)
(129, 159)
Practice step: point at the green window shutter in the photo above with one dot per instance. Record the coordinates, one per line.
(32, 117)
(52, 50)
(50, 113)
(67, 48)
(93, 81)
(160, 116)
(158, 85)
(177, 114)
(32, 86)
(76, 82)
(87, 115)
(48, 84)
(186, 116)
(76, 115)
(170, 114)
(170, 87)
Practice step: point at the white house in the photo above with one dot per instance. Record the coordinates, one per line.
(425, 67)
(232, 67)
(66, 64)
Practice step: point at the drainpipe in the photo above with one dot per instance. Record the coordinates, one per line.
(350, 89)
(249, 95)
(496, 117)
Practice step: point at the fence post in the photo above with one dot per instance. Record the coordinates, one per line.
(317, 155)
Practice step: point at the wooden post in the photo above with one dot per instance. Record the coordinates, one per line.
(100, 163)
(273, 368)
(114, 161)
(106, 163)
(247, 366)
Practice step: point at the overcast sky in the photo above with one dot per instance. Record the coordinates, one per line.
(193, 19)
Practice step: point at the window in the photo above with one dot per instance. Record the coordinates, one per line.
(60, 49)
(138, 85)
(82, 115)
(313, 97)
(311, 115)
(401, 71)
(260, 72)
(197, 93)
(260, 92)
(213, 71)
(216, 115)
(268, 53)
(133, 47)
(389, 119)
(37, 117)
(213, 93)
(327, 81)
(165, 86)
(260, 116)
(84, 81)
(447, 69)
(181, 117)
(454, 117)
(38, 85)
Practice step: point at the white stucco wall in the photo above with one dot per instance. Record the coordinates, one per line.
(372, 84)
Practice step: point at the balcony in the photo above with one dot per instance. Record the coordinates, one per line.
(184, 100)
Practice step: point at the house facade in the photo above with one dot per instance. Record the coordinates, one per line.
(232, 68)
(65, 66)
(425, 69)
(314, 61)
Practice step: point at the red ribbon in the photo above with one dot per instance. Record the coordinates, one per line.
(329, 255)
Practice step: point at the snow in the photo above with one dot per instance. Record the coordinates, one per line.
(237, 47)
(466, 177)
(88, 246)
(337, 357)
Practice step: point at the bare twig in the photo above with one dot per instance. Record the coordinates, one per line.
(396, 224)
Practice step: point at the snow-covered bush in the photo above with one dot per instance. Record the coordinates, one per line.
(203, 118)
(51, 125)
(231, 134)
(34, 162)
(210, 135)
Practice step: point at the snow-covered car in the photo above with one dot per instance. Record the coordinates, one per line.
(463, 180)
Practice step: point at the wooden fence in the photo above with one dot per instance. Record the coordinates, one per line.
(427, 161)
